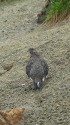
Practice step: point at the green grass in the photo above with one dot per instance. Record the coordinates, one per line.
(57, 7)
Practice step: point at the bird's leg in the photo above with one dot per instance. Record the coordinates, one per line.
(35, 85)
(46, 76)
(43, 79)
(38, 84)
(29, 77)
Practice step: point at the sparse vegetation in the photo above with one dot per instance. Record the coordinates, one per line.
(55, 9)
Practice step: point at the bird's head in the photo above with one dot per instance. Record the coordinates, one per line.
(33, 52)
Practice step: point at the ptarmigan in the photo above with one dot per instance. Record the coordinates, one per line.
(36, 68)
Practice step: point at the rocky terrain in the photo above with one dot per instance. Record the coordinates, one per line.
(18, 32)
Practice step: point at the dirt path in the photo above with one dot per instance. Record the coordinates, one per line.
(18, 19)
(18, 32)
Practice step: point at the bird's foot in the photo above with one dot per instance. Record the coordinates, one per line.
(43, 79)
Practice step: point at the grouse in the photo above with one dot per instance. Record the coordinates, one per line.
(36, 68)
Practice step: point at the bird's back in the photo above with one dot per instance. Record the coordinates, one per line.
(37, 70)
(29, 65)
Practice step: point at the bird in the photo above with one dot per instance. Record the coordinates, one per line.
(36, 68)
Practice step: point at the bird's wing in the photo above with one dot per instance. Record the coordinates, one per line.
(45, 66)
(36, 70)
(29, 65)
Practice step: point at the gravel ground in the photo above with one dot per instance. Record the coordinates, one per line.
(18, 32)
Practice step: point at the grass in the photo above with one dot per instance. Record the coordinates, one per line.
(56, 9)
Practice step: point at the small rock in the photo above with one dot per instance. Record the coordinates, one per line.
(7, 67)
